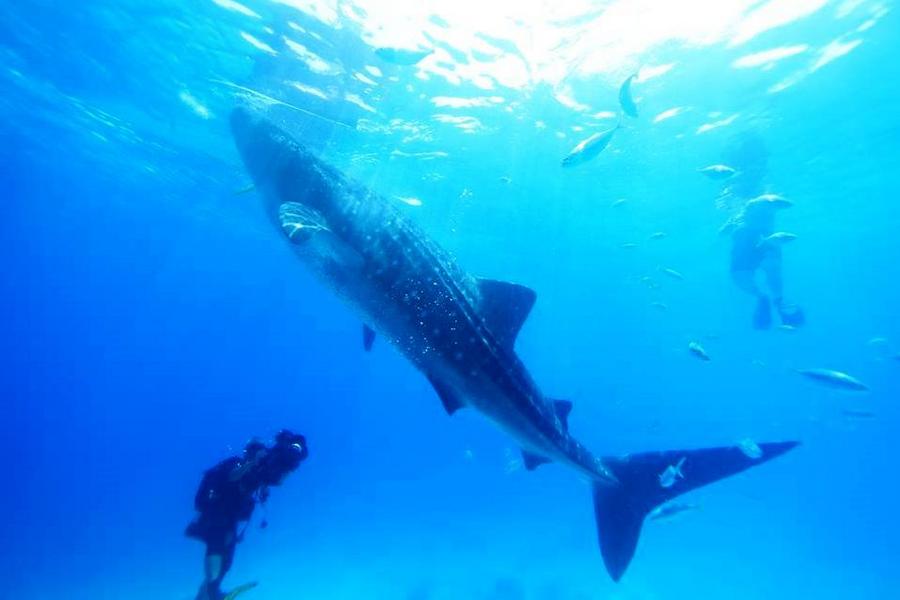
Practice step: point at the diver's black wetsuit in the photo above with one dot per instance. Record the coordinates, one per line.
(223, 500)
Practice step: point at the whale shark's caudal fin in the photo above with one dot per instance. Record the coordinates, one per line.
(620, 509)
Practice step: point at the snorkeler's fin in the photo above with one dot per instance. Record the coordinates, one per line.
(791, 315)
(762, 314)
(240, 590)
(620, 509)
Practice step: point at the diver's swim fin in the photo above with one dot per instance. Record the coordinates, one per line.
(240, 590)
(762, 315)
(620, 509)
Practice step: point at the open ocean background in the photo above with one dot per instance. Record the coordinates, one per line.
(152, 320)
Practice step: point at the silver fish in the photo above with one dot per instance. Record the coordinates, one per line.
(834, 379)
(589, 148)
(667, 511)
(750, 448)
(671, 474)
(854, 413)
(697, 350)
(779, 238)
(718, 171)
(672, 273)
(625, 99)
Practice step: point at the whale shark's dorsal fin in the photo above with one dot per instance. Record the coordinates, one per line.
(562, 408)
(504, 308)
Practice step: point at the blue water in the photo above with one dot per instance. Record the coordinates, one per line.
(153, 320)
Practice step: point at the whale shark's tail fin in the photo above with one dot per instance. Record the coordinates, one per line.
(652, 478)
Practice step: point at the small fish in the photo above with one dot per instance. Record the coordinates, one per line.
(239, 590)
(589, 148)
(670, 509)
(671, 474)
(401, 56)
(619, 202)
(773, 199)
(245, 190)
(672, 273)
(629, 245)
(878, 341)
(834, 379)
(853, 413)
(648, 281)
(784, 328)
(466, 193)
(750, 448)
(625, 99)
(511, 462)
(658, 235)
(433, 177)
(779, 238)
(660, 306)
(506, 179)
(410, 200)
(697, 350)
(718, 172)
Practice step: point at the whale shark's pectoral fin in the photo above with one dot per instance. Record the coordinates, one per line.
(368, 337)
(533, 461)
(449, 398)
(300, 223)
(504, 308)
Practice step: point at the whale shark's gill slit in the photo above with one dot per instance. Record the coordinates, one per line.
(299, 222)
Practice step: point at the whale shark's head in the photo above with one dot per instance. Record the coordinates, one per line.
(281, 168)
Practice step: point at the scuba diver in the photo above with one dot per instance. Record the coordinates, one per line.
(227, 496)
(755, 243)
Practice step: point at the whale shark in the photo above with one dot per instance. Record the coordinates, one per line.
(457, 329)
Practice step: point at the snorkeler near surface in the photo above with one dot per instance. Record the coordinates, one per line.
(227, 496)
(755, 242)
